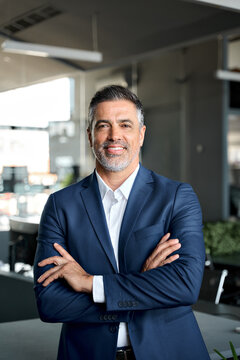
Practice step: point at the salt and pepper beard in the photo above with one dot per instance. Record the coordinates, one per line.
(107, 160)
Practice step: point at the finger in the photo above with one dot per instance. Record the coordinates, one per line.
(171, 259)
(145, 267)
(161, 257)
(48, 273)
(56, 260)
(167, 251)
(62, 251)
(166, 243)
(158, 250)
(165, 238)
(161, 246)
(56, 275)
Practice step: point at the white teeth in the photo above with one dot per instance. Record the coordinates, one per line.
(115, 148)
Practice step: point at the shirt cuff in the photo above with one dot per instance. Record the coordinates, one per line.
(98, 289)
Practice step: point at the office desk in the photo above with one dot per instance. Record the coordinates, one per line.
(219, 310)
(33, 339)
(217, 332)
(29, 340)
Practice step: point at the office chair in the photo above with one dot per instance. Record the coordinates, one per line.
(212, 285)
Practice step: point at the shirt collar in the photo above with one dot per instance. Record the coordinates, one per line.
(125, 188)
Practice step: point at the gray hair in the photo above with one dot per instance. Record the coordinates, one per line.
(111, 93)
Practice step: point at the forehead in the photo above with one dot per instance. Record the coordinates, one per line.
(116, 109)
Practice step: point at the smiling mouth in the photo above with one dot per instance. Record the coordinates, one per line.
(115, 149)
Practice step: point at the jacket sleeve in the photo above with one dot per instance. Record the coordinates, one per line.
(58, 302)
(173, 284)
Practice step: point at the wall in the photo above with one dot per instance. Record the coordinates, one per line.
(183, 103)
(205, 149)
(160, 93)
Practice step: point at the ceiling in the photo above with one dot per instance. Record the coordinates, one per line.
(125, 31)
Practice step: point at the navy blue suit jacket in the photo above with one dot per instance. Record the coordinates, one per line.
(156, 303)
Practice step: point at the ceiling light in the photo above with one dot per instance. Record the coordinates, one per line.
(24, 48)
(225, 4)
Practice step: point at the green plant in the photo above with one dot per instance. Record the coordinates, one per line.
(222, 238)
(235, 357)
(68, 180)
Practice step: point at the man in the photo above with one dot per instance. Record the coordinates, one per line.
(105, 264)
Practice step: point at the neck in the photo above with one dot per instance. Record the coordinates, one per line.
(115, 179)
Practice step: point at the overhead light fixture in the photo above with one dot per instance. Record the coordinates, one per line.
(227, 75)
(24, 48)
(225, 4)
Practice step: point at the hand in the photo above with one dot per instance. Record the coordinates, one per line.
(159, 256)
(68, 269)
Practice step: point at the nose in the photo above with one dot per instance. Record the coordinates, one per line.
(114, 133)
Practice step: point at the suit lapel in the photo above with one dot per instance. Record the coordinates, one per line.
(138, 197)
(93, 204)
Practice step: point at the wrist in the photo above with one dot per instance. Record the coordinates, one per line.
(89, 284)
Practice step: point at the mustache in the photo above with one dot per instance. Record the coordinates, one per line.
(106, 144)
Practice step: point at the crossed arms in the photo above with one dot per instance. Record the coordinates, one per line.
(79, 280)
(163, 282)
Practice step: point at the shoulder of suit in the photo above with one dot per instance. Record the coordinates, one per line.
(168, 186)
(162, 179)
(163, 182)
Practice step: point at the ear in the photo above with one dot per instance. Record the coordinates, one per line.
(142, 134)
(89, 137)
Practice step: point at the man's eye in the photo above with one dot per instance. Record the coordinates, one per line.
(101, 126)
(126, 125)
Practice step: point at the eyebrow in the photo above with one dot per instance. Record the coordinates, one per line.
(100, 121)
(125, 120)
(118, 121)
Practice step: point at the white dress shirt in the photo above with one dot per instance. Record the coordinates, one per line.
(114, 204)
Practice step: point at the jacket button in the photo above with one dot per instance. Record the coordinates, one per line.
(114, 317)
(112, 329)
(101, 317)
(105, 317)
(130, 303)
(110, 317)
(120, 304)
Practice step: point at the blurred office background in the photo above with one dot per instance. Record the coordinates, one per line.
(182, 58)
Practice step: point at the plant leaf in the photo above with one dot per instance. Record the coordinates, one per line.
(216, 351)
(235, 357)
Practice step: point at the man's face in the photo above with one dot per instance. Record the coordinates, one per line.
(116, 136)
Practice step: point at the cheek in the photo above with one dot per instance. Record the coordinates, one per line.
(98, 141)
